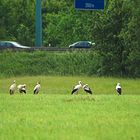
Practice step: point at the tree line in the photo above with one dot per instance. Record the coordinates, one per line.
(115, 30)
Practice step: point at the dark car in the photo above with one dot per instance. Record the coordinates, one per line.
(11, 44)
(82, 44)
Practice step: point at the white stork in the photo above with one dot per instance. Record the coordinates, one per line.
(12, 88)
(87, 89)
(37, 88)
(77, 87)
(22, 88)
(118, 88)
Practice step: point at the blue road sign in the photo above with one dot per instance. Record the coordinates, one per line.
(89, 4)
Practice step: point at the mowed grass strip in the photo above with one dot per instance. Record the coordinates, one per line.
(84, 117)
(56, 114)
(64, 84)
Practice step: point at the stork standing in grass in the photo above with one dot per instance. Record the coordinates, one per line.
(119, 89)
(77, 87)
(12, 88)
(37, 88)
(22, 88)
(87, 89)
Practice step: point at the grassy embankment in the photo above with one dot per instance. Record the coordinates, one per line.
(48, 63)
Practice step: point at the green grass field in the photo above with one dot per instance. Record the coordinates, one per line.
(54, 114)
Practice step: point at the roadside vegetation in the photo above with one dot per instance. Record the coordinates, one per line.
(87, 63)
(115, 30)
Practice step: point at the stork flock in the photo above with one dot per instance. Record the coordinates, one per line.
(22, 88)
(80, 85)
(87, 89)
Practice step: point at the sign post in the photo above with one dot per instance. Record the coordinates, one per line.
(89, 4)
(38, 25)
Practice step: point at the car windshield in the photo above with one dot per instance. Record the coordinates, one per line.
(75, 43)
(16, 44)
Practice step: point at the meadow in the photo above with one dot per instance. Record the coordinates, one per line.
(55, 114)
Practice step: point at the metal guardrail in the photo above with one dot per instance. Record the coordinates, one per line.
(49, 49)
